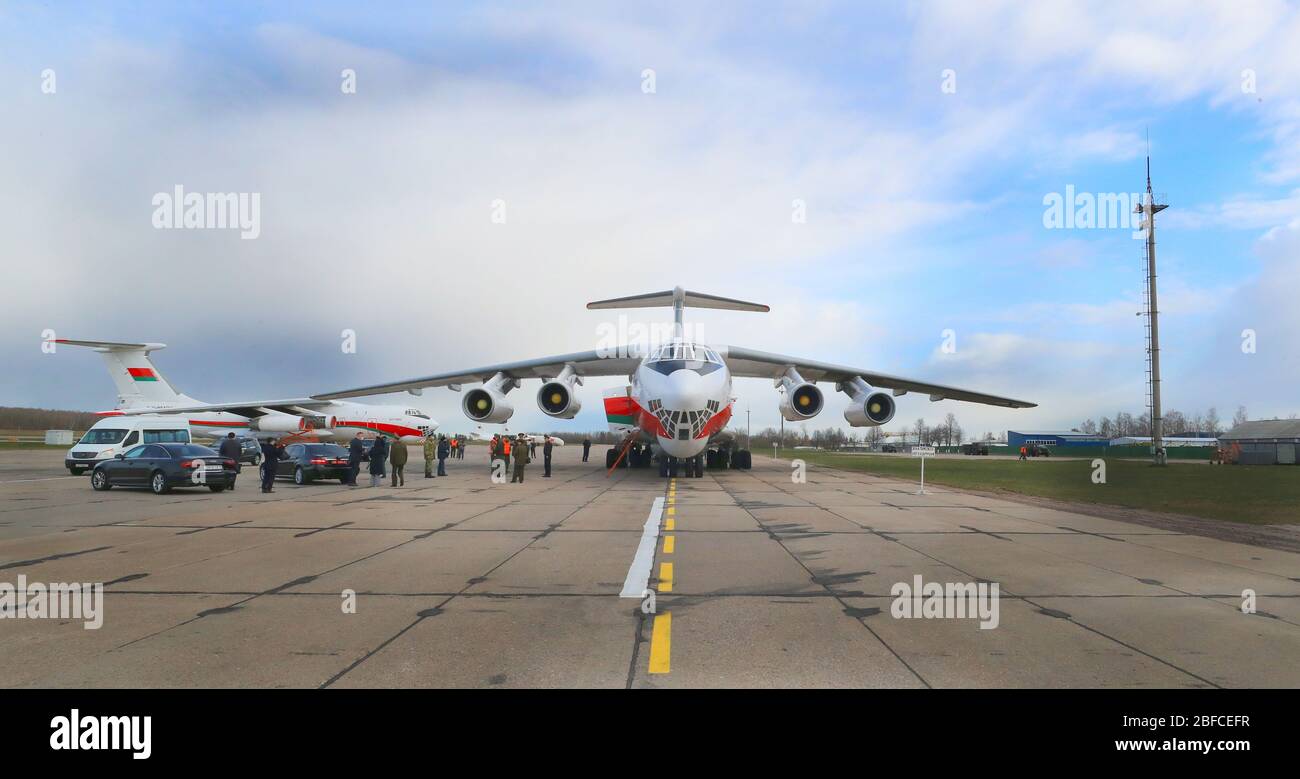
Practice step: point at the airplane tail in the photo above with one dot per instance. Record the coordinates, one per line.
(679, 299)
(138, 382)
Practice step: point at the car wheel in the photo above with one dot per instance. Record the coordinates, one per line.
(99, 480)
(257, 461)
(299, 477)
(158, 483)
(217, 487)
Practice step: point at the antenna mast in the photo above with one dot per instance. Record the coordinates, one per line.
(1148, 209)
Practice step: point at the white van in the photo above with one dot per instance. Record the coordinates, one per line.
(114, 435)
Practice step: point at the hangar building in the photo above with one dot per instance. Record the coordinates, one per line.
(1264, 441)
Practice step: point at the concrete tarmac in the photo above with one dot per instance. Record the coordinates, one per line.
(757, 581)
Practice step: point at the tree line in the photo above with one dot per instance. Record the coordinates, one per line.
(13, 418)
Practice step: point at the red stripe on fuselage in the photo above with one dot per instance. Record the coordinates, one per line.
(382, 427)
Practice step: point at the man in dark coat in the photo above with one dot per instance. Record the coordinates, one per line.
(356, 453)
(586, 448)
(230, 449)
(271, 452)
(546, 458)
(378, 456)
(444, 450)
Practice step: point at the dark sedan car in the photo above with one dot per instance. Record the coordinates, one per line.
(308, 462)
(250, 451)
(160, 467)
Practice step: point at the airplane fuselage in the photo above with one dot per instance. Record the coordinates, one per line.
(681, 397)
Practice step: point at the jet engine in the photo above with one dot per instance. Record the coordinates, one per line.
(277, 423)
(868, 407)
(799, 399)
(556, 397)
(488, 403)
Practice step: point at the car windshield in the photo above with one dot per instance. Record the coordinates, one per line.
(682, 356)
(103, 436)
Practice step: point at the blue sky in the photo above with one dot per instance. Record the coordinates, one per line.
(924, 206)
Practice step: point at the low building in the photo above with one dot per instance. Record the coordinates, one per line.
(1019, 438)
(1169, 441)
(1263, 442)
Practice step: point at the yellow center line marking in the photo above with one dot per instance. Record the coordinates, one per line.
(672, 510)
(670, 524)
(661, 642)
(669, 543)
(666, 577)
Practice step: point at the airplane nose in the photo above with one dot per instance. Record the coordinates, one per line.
(685, 391)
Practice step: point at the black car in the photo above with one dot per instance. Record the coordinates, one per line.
(889, 449)
(977, 449)
(250, 451)
(1037, 450)
(160, 467)
(308, 462)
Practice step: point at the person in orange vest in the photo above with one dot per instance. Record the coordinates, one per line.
(505, 448)
(1023, 452)
(454, 446)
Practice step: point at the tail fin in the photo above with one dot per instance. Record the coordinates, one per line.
(678, 298)
(138, 382)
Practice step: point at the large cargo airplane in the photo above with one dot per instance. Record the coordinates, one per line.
(141, 389)
(675, 408)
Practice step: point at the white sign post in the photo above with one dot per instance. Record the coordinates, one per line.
(922, 452)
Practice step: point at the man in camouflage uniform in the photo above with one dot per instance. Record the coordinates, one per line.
(520, 450)
(430, 452)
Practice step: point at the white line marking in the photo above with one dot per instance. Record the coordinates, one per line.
(51, 478)
(638, 575)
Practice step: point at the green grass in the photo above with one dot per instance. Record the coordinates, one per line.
(1254, 494)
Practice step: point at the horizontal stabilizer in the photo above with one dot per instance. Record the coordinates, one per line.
(675, 297)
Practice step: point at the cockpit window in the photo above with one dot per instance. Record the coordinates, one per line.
(684, 356)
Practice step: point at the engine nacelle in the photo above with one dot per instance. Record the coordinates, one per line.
(488, 403)
(276, 423)
(799, 399)
(804, 401)
(485, 405)
(868, 407)
(557, 399)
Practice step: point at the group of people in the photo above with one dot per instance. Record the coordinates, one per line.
(522, 449)
(436, 447)
(519, 449)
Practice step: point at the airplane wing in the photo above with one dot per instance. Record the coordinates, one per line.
(622, 362)
(249, 408)
(763, 365)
